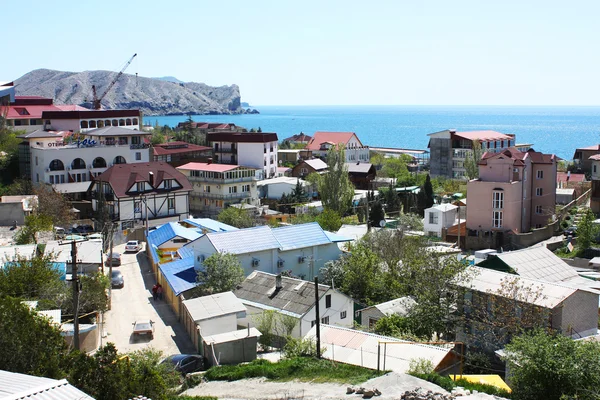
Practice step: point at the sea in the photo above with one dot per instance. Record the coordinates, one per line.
(556, 129)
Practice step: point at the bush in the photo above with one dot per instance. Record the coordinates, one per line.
(420, 366)
(298, 347)
(564, 224)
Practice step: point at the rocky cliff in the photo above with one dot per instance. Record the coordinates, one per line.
(151, 95)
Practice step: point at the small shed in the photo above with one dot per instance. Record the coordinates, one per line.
(370, 315)
(231, 347)
(565, 196)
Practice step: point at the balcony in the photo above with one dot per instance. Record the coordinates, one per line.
(226, 150)
(220, 181)
(219, 196)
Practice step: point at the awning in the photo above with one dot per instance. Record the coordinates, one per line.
(75, 187)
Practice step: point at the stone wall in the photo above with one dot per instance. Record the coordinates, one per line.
(11, 212)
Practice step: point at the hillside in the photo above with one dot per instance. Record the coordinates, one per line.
(151, 95)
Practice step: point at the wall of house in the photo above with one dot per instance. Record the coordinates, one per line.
(234, 352)
(580, 314)
(221, 324)
(339, 303)
(499, 170)
(430, 228)
(276, 190)
(253, 155)
(440, 147)
(11, 212)
(547, 200)
(156, 206)
(479, 211)
(370, 313)
(318, 254)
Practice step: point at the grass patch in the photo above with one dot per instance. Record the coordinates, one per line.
(304, 369)
(448, 384)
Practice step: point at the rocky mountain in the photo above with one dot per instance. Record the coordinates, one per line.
(154, 96)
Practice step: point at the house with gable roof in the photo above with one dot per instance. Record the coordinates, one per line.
(321, 142)
(438, 217)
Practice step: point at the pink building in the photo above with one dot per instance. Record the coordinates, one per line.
(515, 192)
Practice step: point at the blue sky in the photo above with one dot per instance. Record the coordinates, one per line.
(325, 52)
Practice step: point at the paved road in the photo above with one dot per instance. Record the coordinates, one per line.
(135, 301)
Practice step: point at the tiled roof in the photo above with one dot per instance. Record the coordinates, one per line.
(565, 177)
(483, 135)
(512, 152)
(210, 224)
(170, 231)
(301, 137)
(121, 177)
(211, 167)
(595, 157)
(177, 147)
(180, 274)
(216, 305)
(244, 240)
(241, 137)
(316, 163)
(300, 236)
(331, 137)
(15, 386)
(295, 296)
(360, 167)
(594, 147)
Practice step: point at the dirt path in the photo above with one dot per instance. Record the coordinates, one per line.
(135, 301)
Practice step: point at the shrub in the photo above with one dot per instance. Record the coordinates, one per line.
(420, 366)
(298, 347)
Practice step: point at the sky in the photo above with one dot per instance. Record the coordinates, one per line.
(325, 52)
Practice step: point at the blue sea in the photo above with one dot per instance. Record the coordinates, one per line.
(558, 130)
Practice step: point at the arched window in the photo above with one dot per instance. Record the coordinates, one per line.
(121, 122)
(92, 124)
(107, 122)
(99, 162)
(78, 163)
(115, 122)
(57, 165)
(119, 160)
(84, 124)
(100, 124)
(135, 121)
(128, 121)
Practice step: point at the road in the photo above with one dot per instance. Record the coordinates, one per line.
(134, 301)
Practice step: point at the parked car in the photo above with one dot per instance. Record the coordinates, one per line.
(185, 363)
(143, 328)
(115, 257)
(59, 232)
(85, 229)
(571, 231)
(116, 280)
(133, 245)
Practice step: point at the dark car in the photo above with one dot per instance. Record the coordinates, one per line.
(117, 280)
(115, 257)
(185, 363)
(571, 231)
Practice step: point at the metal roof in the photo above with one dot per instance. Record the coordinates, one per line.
(296, 296)
(210, 224)
(361, 348)
(244, 240)
(180, 274)
(170, 231)
(213, 306)
(443, 207)
(317, 164)
(232, 336)
(399, 306)
(300, 236)
(72, 187)
(281, 179)
(15, 386)
(89, 251)
(336, 238)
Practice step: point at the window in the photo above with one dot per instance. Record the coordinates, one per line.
(325, 320)
(119, 160)
(593, 167)
(497, 219)
(313, 323)
(538, 209)
(168, 184)
(138, 206)
(497, 200)
(232, 189)
(538, 191)
(171, 203)
(36, 161)
(206, 189)
(139, 186)
(372, 322)
(343, 315)
(123, 140)
(138, 156)
(433, 218)
(206, 202)
(540, 174)
(52, 179)
(135, 140)
(245, 188)
(328, 301)
(57, 165)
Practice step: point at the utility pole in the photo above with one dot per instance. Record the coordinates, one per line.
(318, 317)
(110, 263)
(459, 247)
(75, 284)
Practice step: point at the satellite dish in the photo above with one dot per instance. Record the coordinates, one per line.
(382, 223)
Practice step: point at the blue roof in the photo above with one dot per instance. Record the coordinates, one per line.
(300, 236)
(180, 274)
(153, 249)
(170, 231)
(186, 251)
(210, 224)
(243, 241)
(334, 237)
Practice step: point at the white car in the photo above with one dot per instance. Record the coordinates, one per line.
(133, 245)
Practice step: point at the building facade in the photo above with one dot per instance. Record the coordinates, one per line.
(134, 193)
(438, 217)
(216, 186)
(515, 192)
(595, 172)
(255, 149)
(323, 141)
(449, 149)
(179, 153)
(583, 158)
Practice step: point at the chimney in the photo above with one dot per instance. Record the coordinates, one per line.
(568, 175)
(278, 283)
(209, 160)
(151, 178)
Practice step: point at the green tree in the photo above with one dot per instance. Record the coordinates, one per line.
(392, 201)
(53, 204)
(236, 217)
(428, 189)
(299, 194)
(157, 138)
(329, 220)
(29, 343)
(313, 180)
(34, 224)
(335, 187)
(403, 327)
(33, 278)
(472, 160)
(94, 289)
(553, 367)
(376, 214)
(587, 230)
(222, 272)
(397, 168)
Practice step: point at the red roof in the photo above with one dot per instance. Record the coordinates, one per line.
(210, 167)
(519, 156)
(483, 135)
(28, 112)
(122, 177)
(331, 137)
(565, 177)
(595, 157)
(177, 148)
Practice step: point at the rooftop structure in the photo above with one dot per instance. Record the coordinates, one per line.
(323, 141)
(14, 386)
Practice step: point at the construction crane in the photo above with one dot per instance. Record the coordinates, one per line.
(97, 100)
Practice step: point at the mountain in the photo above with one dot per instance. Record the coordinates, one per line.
(154, 96)
(169, 79)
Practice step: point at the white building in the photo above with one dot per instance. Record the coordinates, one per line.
(370, 315)
(257, 150)
(81, 120)
(135, 192)
(301, 249)
(296, 298)
(216, 186)
(276, 187)
(70, 162)
(323, 141)
(438, 217)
